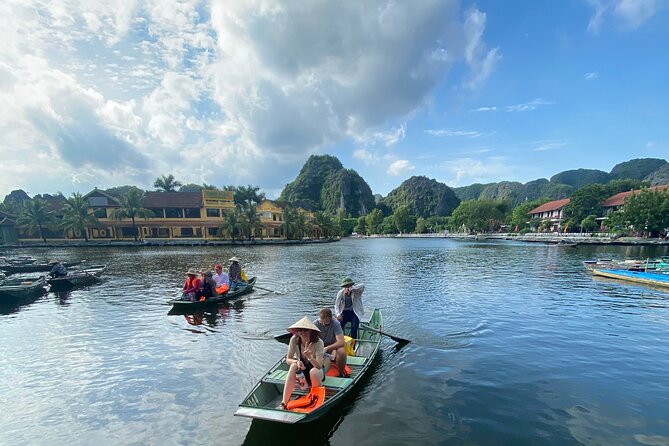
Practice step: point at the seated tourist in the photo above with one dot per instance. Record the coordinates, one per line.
(208, 288)
(221, 279)
(192, 285)
(333, 340)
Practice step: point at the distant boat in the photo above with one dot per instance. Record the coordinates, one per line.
(34, 267)
(660, 264)
(13, 290)
(81, 277)
(648, 278)
(186, 305)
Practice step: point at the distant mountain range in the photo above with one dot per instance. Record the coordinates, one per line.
(324, 184)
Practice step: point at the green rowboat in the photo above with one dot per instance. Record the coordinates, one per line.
(262, 401)
(186, 305)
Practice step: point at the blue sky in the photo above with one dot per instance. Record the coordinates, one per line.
(244, 92)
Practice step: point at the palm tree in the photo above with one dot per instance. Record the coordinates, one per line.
(35, 216)
(248, 194)
(76, 216)
(206, 186)
(131, 206)
(233, 222)
(289, 218)
(167, 183)
(252, 220)
(302, 225)
(324, 222)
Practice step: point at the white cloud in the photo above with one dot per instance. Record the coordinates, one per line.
(527, 106)
(546, 146)
(484, 109)
(466, 170)
(456, 133)
(400, 167)
(591, 76)
(154, 87)
(629, 14)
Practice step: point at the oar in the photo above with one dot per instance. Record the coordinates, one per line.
(285, 338)
(394, 338)
(267, 289)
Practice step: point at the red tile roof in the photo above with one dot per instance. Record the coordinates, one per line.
(550, 206)
(619, 199)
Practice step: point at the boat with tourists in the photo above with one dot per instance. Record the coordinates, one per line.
(186, 305)
(645, 277)
(13, 290)
(34, 267)
(80, 277)
(263, 400)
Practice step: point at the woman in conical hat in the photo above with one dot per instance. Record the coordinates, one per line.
(305, 353)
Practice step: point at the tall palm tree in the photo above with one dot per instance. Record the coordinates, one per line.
(132, 206)
(233, 222)
(325, 223)
(252, 220)
(302, 225)
(248, 194)
(76, 216)
(167, 183)
(289, 218)
(36, 216)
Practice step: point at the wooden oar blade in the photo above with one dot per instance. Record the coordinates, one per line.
(394, 338)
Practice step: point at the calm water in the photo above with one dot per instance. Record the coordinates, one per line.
(513, 344)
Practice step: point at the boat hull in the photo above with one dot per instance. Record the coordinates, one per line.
(78, 278)
(263, 399)
(647, 278)
(186, 305)
(34, 268)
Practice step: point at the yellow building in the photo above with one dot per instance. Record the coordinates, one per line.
(271, 217)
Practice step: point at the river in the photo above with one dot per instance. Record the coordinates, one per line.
(512, 344)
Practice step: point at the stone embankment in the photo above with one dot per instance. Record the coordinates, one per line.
(550, 238)
(159, 242)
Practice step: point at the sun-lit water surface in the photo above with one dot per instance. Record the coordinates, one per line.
(512, 344)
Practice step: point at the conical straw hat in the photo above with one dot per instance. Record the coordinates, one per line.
(303, 323)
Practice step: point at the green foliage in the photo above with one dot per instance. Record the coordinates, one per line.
(191, 188)
(347, 225)
(517, 193)
(589, 223)
(436, 224)
(166, 183)
(325, 223)
(479, 215)
(388, 226)
(233, 223)
(119, 190)
(76, 216)
(647, 211)
(374, 220)
(581, 177)
(423, 197)
(659, 176)
(305, 190)
(251, 224)
(585, 201)
(617, 186)
(303, 227)
(404, 222)
(637, 169)
(131, 206)
(421, 226)
(361, 226)
(345, 189)
(245, 195)
(471, 192)
(35, 216)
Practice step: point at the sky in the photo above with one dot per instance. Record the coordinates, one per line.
(109, 93)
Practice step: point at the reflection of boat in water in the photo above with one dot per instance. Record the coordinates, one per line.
(12, 291)
(77, 278)
(648, 278)
(262, 402)
(187, 305)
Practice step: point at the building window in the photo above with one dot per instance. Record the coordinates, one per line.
(158, 212)
(174, 213)
(128, 232)
(213, 213)
(186, 232)
(100, 212)
(212, 232)
(193, 213)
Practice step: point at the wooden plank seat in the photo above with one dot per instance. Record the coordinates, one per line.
(279, 377)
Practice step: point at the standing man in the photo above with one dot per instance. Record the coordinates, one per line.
(348, 305)
(235, 273)
(333, 339)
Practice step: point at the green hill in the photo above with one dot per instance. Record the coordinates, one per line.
(424, 197)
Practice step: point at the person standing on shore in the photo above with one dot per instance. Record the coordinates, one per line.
(348, 305)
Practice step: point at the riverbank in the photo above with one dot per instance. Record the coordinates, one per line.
(549, 238)
(159, 242)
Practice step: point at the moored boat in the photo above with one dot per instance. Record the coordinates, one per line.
(13, 290)
(186, 305)
(646, 277)
(35, 267)
(261, 403)
(86, 276)
(660, 264)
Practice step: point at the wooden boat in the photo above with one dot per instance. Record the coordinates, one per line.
(660, 264)
(21, 260)
(262, 401)
(649, 278)
(186, 305)
(35, 267)
(86, 276)
(13, 290)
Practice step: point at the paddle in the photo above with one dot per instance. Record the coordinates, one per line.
(267, 289)
(394, 338)
(285, 338)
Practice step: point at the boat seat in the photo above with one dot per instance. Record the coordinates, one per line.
(355, 360)
(279, 377)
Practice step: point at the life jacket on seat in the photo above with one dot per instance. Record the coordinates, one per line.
(307, 403)
(222, 289)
